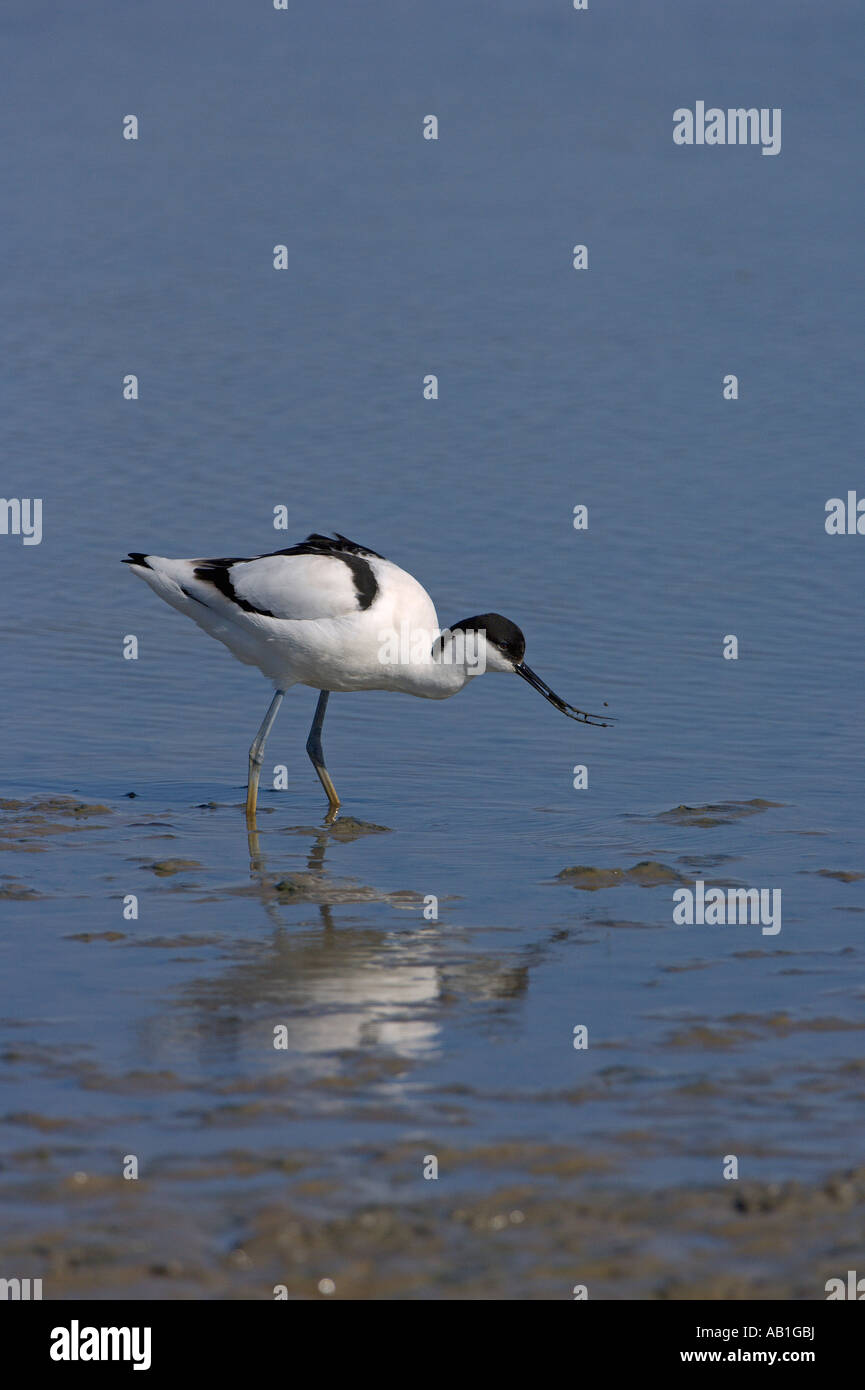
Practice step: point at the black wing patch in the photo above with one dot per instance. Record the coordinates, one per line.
(354, 555)
(217, 572)
(329, 545)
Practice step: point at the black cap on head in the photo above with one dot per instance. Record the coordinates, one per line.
(500, 632)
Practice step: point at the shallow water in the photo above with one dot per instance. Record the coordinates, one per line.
(408, 1037)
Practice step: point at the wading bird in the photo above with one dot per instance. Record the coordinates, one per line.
(337, 617)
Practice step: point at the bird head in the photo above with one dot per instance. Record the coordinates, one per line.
(490, 642)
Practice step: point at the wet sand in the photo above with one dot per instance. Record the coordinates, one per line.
(534, 1237)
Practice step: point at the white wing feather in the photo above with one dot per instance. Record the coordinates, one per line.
(295, 586)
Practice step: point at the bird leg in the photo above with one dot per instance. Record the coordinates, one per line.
(313, 748)
(256, 755)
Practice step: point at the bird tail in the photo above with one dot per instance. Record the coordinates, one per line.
(167, 578)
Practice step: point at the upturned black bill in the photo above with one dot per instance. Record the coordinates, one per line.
(598, 720)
